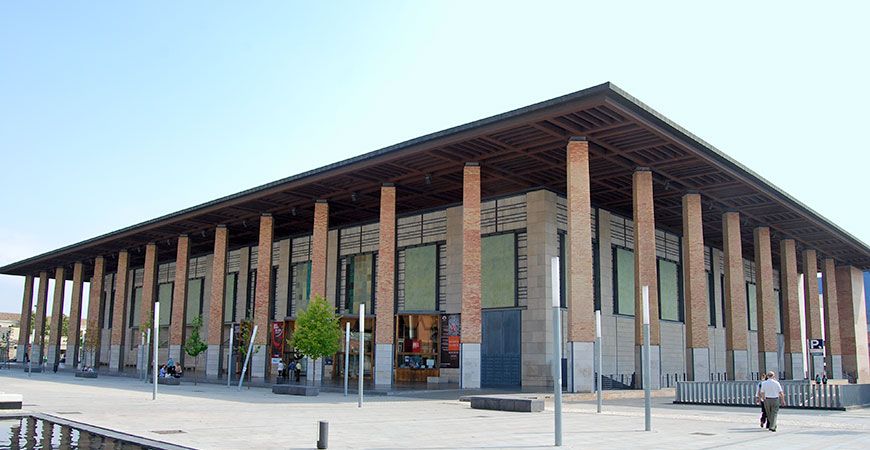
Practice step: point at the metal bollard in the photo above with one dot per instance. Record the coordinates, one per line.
(323, 435)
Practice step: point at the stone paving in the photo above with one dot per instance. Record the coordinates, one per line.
(214, 416)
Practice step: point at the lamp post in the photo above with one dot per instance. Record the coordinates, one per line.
(557, 350)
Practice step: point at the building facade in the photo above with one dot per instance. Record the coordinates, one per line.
(447, 240)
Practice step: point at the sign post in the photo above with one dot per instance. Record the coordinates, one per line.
(646, 361)
(598, 357)
(557, 350)
(346, 354)
(248, 356)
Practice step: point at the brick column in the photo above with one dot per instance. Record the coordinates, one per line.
(95, 306)
(319, 239)
(146, 308)
(737, 332)
(645, 273)
(812, 315)
(37, 348)
(56, 329)
(216, 304)
(260, 359)
(24, 321)
(833, 352)
(75, 317)
(386, 288)
(791, 332)
(177, 324)
(119, 315)
(471, 253)
(853, 324)
(768, 359)
(695, 289)
(580, 286)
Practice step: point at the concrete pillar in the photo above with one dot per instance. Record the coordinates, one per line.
(319, 239)
(853, 324)
(73, 338)
(146, 309)
(580, 285)
(768, 358)
(791, 332)
(645, 273)
(536, 351)
(812, 314)
(833, 351)
(177, 325)
(262, 351)
(56, 329)
(95, 305)
(737, 332)
(216, 306)
(24, 321)
(119, 314)
(695, 290)
(37, 348)
(471, 253)
(386, 288)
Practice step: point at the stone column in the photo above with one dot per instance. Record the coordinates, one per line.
(768, 358)
(812, 315)
(853, 324)
(56, 329)
(24, 321)
(737, 333)
(833, 351)
(216, 305)
(146, 309)
(645, 273)
(119, 314)
(95, 305)
(580, 285)
(386, 288)
(73, 338)
(37, 348)
(695, 290)
(471, 253)
(319, 240)
(791, 332)
(262, 351)
(177, 323)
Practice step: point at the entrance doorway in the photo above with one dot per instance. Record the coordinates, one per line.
(500, 361)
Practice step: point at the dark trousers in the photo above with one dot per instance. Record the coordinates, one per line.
(771, 406)
(763, 414)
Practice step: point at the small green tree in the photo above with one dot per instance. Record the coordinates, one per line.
(90, 342)
(194, 345)
(317, 333)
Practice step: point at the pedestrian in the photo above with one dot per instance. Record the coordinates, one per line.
(773, 399)
(818, 379)
(824, 378)
(281, 369)
(759, 400)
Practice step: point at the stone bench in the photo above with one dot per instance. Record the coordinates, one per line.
(34, 369)
(11, 401)
(81, 374)
(507, 403)
(295, 389)
(169, 381)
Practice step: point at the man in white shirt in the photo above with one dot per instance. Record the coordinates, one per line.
(773, 397)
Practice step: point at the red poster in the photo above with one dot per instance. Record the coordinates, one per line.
(277, 339)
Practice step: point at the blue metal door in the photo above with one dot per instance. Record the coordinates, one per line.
(500, 362)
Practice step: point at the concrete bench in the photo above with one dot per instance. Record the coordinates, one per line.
(295, 389)
(34, 369)
(11, 401)
(169, 381)
(81, 374)
(507, 403)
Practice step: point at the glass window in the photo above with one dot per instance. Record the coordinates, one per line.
(252, 294)
(273, 294)
(669, 290)
(230, 284)
(360, 282)
(135, 306)
(164, 296)
(778, 294)
(624, 279)
(194, 300)
(751, 304)
(417, 340)
(498, 271)
(421, 278)
(300, 286)
(711, 300)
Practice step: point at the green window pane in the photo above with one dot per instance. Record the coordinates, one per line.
(301, 285)
(498, 271)
(164, 296)
(751, 306)
(669, 290)
(230, 296)
(135, 306)
(194, 300)
(361, 281)
(778, 296)
(421, 278)
(624, 281)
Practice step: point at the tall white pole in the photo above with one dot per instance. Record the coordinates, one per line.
(248, 356)
(346, 354)
(646, 361)
(230, 356)
(154, 340)
(362, 323)
(146, 360)
(598, 357)
(557, 350)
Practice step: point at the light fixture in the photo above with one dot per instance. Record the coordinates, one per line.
(428, 179)
(353, 196)
(293, 211)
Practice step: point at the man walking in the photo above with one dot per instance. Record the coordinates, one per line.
(771, 390)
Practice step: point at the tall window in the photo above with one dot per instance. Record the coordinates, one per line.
(563, 270)
(251, 294)
(421, 278)
(780, 324)
(359, 287)
(230, 286)
(194, 299)
(300, 287)
(670, 291)
(499, 271)
(135, 306)
(711, 299)
(623, 281)
(751, 306)
(164, 296)
(722, 290)
(273, 295)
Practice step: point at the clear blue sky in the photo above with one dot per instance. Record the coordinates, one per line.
(113, 112)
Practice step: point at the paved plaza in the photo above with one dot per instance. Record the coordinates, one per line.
(214, 416)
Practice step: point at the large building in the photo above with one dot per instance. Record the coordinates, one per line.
(448, 240)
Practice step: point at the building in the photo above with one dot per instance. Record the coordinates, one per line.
(447, 239)
(8, 335)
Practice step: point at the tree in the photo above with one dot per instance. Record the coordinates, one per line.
(194, 345)
(90, 343)
(317, 333)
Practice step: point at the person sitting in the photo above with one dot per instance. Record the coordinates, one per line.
(162, 373)
(178, 370)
